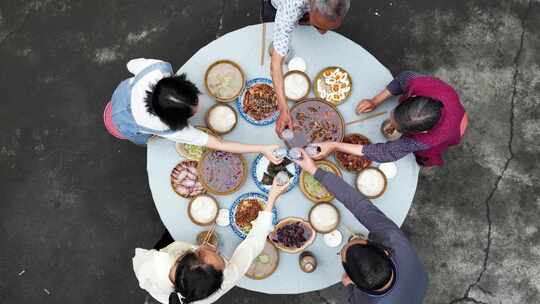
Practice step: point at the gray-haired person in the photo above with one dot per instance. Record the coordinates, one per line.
(324, 15)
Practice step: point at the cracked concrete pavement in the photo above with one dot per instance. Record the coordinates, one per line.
(74, 198)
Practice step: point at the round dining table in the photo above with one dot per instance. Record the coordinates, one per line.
(369, 77)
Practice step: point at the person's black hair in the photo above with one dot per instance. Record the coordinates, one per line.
(417, 114)
(173, 100)
(194, 280)
(368, 266)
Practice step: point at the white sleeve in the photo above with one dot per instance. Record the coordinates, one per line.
(189, 135)
(244, 254)
(134, 66)
(144, 268)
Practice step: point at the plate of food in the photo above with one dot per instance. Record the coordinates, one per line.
(263, 172)
(293, 235)
(312, 189)
(258, 102)
(324, 217)
(221, 118)
(296, 85)
(265, 264)
(222, 172)
(245, 210)
(313, 121)
(333, 84)
(352, 162)
(203, 210)
(371, 182)
(194, 152)
(224, 80)
(185, 181)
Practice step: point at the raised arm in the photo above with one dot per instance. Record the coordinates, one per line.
(235, 147)
(368, 214)
(396, 87)
(252, 246)
(380, 152)
(276, 71)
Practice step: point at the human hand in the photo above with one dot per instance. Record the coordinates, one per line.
(268, 150)
(306, 163)
(276, 190)
(345, 280)
(325, 149)
(366, 105)
(284, 121)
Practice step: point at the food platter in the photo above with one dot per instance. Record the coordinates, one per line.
(203, 210)
(351, 162)
(262, 166)
(265, 264)
(293, 235)
(308, 190)
(258, 102)
(243, 205)
(333, 84)
(313, 121)
(221, 118)
(371, 182)
(185, 180)
(222, 172)
(324, 217)
(224, 80)
(292, 82)
(194, 152)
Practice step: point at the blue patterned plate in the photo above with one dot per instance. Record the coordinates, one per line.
(232, 214)
(240, 101)
(259, 166)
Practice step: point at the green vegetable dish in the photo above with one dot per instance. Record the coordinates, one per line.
(314, 187)
(194, 151)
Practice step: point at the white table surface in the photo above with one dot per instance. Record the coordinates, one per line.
(243, 46)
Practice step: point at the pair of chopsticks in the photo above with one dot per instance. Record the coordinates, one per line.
(209, 234)
(366, 118)
(263, 41)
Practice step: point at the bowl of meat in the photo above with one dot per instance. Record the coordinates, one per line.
(315, 120)
(184, 179)
(352, 162)
(258, 102)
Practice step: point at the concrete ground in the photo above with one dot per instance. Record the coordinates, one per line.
(75, 202)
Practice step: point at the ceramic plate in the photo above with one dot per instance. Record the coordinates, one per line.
(232, 217)
(260, 164)
(240, 103)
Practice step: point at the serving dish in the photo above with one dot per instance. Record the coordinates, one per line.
(185, 180)
(258, 102)
(224, 80)
(333, 84)
(314, 120)
(222, 172)
(194, 152)
(352, 162)
(293, 235)
(242, 229)
(309, 191)
(263, 172)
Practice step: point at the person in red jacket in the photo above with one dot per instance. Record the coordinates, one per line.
(429, 115)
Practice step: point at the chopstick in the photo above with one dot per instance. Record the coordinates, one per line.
(263, 41)
(209, 234)
(366, 118)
